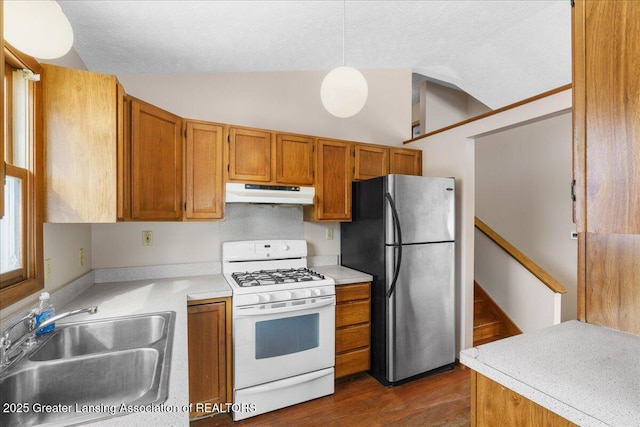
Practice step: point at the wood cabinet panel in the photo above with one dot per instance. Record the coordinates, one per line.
(249, 155)
(356, 291)
(495, 405)
(353, 362)
(333, 182)
(156, 163)
(352, 312)
(606, 125)
(209, 341)
(606, 161)
(81, 137)
(124, 155)
(351, 337)
(353, 328)
(405, 161)
(203, 170)
(294, 159)
(371, 161)
(612, 270)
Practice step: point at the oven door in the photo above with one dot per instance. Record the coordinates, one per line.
(281, 340)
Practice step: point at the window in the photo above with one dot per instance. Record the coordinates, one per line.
(20, 210)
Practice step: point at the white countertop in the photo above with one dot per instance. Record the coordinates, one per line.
(149, 296)
(343, 275)
(586, 373)
(125, 298)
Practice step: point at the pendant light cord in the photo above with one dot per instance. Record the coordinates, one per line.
(344, 12)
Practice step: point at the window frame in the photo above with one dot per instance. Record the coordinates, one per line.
(14, 289)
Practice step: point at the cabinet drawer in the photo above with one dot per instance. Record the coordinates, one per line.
(352, 292)
(352, 362)
(352, 337)
(352, 313)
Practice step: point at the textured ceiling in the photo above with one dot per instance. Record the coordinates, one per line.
(498, 51)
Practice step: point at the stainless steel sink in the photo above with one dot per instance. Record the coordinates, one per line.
(90, 371)
(103, 335)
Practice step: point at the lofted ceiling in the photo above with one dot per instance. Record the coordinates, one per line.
(497, 51)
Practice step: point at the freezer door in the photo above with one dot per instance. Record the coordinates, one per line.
(420, 312)
(426, 208)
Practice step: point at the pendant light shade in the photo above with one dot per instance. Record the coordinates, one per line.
(38, 28)
(344, 92)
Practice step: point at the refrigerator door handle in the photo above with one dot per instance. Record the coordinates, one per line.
(396, 223)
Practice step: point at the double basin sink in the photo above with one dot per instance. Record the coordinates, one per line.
(86, 371)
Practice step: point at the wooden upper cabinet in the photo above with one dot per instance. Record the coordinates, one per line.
(405, 161)
(156, 163)
(371, 161)
(203, 170)
(606, 92)
(294, 159)
(249, 155)
(82, 136)
(333, 182)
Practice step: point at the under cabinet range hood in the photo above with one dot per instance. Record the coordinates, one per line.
(264, 193)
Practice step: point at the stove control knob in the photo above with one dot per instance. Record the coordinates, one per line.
(303, 293)
(264, 297)
(253, 299)
(316, 292)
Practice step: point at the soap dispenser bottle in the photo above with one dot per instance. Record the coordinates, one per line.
(45, 311)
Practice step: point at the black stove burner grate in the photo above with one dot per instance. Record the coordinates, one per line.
(275, 277)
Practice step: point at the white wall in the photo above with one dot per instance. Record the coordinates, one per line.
(286, 101)
(452, 153)
(522, 177)
(442, 106)
(530, 305)
(120, 245)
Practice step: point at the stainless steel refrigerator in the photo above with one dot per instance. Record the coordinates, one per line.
(402, 233)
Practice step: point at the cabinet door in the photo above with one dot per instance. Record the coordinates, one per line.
(156, 163)
(79, 112)
(203, 164)
(333, 184)
(370, 161)
(405, 162)
(207, 355)
(124, 155)
(606, 122)
(294, 159)
(249, 155)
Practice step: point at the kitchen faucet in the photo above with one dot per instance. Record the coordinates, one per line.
(30, 319)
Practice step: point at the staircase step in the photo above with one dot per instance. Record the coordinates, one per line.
(486, 327)
(488, 340)
(477, 305)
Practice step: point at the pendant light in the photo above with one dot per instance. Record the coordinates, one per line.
(38, 28)
(344, 90)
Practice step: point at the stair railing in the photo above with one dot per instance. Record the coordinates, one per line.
(515, 282)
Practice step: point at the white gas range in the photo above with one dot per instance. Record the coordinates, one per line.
(283, 325)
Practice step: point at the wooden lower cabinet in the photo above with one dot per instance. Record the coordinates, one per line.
(495, 405)
(353, 329)
(210, 359)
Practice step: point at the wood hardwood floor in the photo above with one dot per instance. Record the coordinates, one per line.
(438, 400)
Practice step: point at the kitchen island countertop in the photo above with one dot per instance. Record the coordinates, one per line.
(149, 296)
(343, 275)
(586, 373)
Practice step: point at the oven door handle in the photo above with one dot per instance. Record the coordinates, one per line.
(299, 379)
(257, 311)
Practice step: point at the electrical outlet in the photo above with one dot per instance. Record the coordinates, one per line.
(47, 269)
(81, 257)
(574, 235)
(147, 238)
(329, 234)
